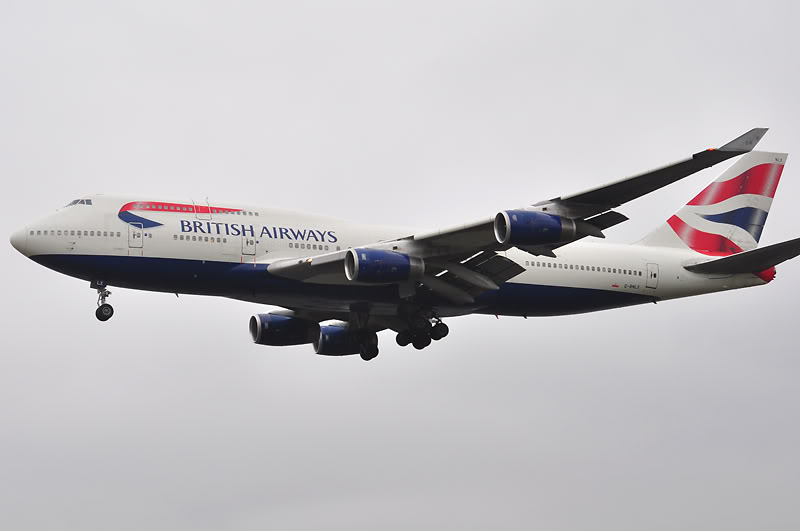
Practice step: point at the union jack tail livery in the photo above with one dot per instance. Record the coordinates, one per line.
(729, 215)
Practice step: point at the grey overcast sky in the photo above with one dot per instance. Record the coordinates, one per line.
(681, 415)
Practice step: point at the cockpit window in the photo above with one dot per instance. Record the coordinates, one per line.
(79, 202)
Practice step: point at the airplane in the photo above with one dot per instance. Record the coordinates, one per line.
(340, 283)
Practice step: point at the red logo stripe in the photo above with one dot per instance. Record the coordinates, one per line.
(703, 242)
(161, 206)
(758, 180)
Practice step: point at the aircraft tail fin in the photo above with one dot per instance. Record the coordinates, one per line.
(728, 216)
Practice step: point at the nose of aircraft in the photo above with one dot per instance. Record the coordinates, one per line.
(20, 240)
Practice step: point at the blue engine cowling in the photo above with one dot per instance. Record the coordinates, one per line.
(522, 227)
(381, 267)
(336, 341)
(282, 330)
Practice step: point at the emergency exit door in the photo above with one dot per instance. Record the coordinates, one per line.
(652, 276)
(135, 235)
(248, 245)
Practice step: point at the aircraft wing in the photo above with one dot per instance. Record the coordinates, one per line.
(584, 206)
(464, 260)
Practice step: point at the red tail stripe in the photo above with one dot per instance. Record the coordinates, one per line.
(758, 180)
(703, 242)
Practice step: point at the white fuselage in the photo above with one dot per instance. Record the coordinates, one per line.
(197, 252)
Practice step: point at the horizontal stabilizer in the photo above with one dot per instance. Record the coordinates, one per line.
(750, 261)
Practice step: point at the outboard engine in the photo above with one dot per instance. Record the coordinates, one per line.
(282, 330)
(381, 267)
(336, 340)
(523, 227)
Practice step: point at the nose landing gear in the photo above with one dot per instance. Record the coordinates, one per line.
(104, 310)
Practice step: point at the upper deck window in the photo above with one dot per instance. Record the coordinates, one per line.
(79, 202)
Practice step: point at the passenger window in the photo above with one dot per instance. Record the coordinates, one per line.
(92, 233)
(583, 268)
(224, 240)
(219, 240)
(181, 237)
(338, 248)
(326, 247)
(194, 238)
(59, 233)
(206, 238)
(38, 233)
(31, 233)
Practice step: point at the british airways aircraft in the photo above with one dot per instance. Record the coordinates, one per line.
(341, 283)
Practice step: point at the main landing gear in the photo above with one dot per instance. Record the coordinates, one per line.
(421, 332)
(369, 345)
(104, 310)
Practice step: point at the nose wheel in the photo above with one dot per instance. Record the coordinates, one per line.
(104, 310)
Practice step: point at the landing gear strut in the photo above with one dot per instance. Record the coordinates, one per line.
(104, 310)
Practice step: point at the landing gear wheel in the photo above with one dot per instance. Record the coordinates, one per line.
(421, 325)
(420, 342)
(369, 352)
(104, 312)
(404, 338)
(439, 331)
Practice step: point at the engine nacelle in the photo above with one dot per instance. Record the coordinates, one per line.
(523, 227)
(336, 341)
(381, 267)
(282, 330)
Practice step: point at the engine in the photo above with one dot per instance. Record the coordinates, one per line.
(522, 227)
(282, 330)
(336, 341)
(382, 267)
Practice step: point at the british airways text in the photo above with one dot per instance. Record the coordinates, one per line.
(276, 233)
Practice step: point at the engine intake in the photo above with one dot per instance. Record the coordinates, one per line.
(381, 267)
(336, 341)
(522, 227)
(282, 330)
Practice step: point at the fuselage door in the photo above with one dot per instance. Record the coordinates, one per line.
(202, 210)
(652, 276)
(135, 235)
(248, 245)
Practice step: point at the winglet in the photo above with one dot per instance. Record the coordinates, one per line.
(746, 142)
